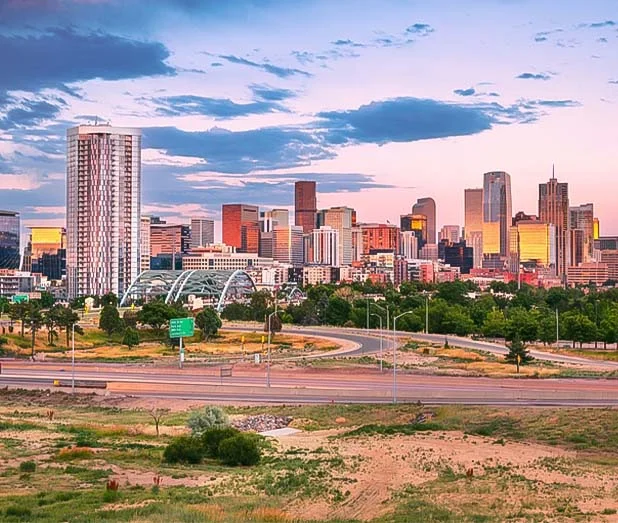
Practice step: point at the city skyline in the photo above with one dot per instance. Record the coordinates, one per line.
(339, 102)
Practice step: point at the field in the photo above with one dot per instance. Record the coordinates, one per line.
(388, 463)
(95, 345)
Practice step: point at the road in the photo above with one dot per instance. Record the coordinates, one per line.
(308, 385)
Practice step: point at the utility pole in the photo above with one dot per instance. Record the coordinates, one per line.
(557, 330)
(395, 353)
(381, 338)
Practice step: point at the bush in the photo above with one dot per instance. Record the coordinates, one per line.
(211, 439)
(17, 511)
(241, 449)
(27, 466)
(209, 418)
(183, 449)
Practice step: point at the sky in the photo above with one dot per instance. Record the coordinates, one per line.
(380, 101)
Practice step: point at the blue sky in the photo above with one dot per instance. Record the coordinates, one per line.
(382, 102)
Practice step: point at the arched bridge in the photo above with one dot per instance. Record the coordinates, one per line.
(215, 287)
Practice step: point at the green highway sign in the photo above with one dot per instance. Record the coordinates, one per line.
(181, 327)
(20, 298)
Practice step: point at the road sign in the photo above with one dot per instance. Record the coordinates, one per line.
(20, 298)
(182, 327)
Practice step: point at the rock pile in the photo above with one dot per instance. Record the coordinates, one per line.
(262, 423)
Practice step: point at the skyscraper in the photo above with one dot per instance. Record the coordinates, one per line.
(234, 217)
(473, 224)
(9, 240)
(450, 233)
(273, 218)
(582, 217)
(288, 245)
(325, 246)
(533, 244)
(554, 209)
(409, 245)
(144, 243)
(305, 205)
(380, 237)
(46, 252)
(202, 232)
(340, 219)
(103, 209)
(427, 207)
(497, 214)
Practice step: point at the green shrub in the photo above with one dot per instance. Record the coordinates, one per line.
(183, 449)
(213, 437)
(18, 511)
(27, 466)
(241, 449)
(208, 418)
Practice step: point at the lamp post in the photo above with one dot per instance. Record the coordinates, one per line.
(395, 353)
(73, 358)
(557, 329)
(381, 337)
(269, 337)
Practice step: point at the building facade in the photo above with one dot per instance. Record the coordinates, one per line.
(234, 217)
(427, 207)
(324, 247)
(339, 219)
(582, 218)
(288, 245)
(451, 233)
(409, 245)
(473, 223)
(533, 245)
(305, 205)
(497, 214)
(554, 209)
(202, 232)
(46, 252)
(103, 209)
(380, 237)
(9, 240)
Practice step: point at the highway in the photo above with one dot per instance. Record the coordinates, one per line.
(248, 383)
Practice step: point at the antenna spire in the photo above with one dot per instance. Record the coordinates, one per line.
(553, 171)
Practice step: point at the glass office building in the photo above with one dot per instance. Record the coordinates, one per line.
(9, 240)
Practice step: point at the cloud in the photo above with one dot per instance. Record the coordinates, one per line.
(29, 113)
(19, 182)
(465, 92)
(271, 94)
(60, 57)
(543, 36)
(347, 43)
(219, 108)
(615, 82)
(241, 151)
(281, 72)
(553, 103)
(420, 29)
(48, 209)
(534, 76)
(599, 25)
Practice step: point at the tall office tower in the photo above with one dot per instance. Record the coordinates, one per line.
(497, 214)
(250, 238)
(325, 246)
(577, 246)
(357, 244)
(9, 240)
(144, 243)
(596, 229)
(416, 223)
(266, 244)
(274, 218)
(202, 232)
(450, 233)
(533, 245)
(340, 219)
(46, 252)
(234, 216)
(288, 245)
(427, 207)
(409, 245)
(429, 252)
(103, 209)
(305, 205)
(473, 224)
(459, 255)
(582, 217)
(554, 209)
(380, 237)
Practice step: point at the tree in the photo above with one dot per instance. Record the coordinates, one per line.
(522, 324)
(130, 338)
(494, 325)
(130, 318)
(47, 300)
(337, 311)
(275, 324)
(157, 415)
(609, 331)
(19, 312)
(577, 327)
(547, 328)
(155, 313)
(66, 318)
(110, 321)
(259, 304)
(34, 320)
(453, 292)
(456, 321)
(208, 418)
(52, 322)
(208, 322)
(518, 353)
(238, 450)
(108, 299)
(236, 312)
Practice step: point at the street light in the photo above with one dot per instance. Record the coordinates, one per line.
(381, 337)
(73, 358)
(269, 336)
(426, 294)
(385, 308)
(395, 353)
